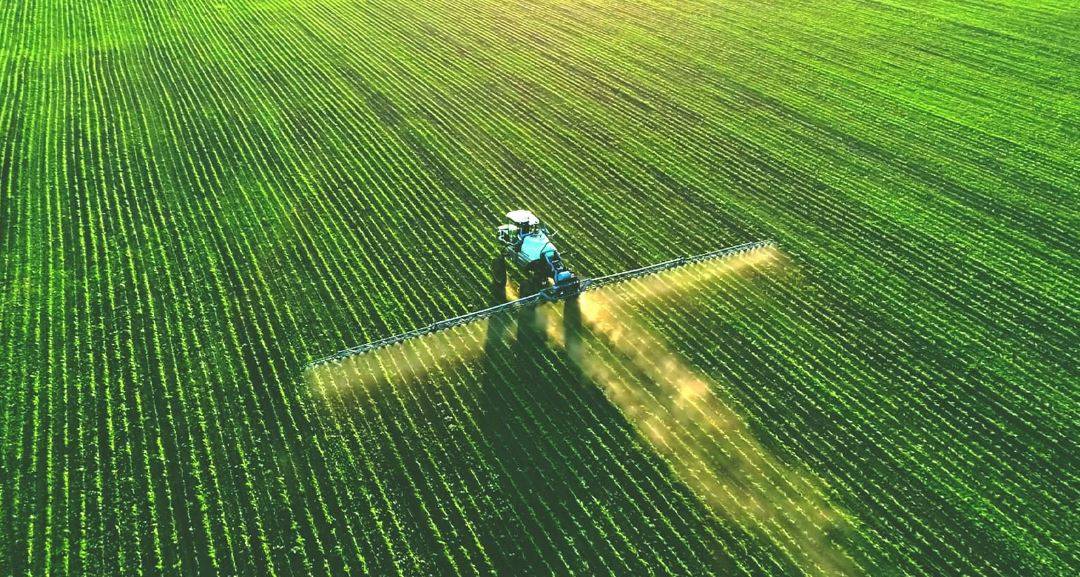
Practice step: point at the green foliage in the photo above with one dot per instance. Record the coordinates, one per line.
(197, 198)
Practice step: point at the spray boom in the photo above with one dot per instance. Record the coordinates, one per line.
(553, 293)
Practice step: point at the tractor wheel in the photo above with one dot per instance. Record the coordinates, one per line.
(498, 279)
(537, 270)
(529, 286)
(498, 269)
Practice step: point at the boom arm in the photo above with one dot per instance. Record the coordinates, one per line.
(549, 294)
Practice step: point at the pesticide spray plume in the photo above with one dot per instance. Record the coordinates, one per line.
(681, 281)
(415, 359)
(402, 363)
(682, 413)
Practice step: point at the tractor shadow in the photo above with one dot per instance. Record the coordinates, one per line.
(572, 326)
(528, 431)
(554, 443)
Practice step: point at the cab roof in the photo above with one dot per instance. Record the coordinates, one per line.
(521, 217)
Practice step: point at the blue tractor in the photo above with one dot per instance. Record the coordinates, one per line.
(526, 242)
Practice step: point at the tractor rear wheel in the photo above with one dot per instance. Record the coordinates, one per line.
(498, 279)
(530, 285)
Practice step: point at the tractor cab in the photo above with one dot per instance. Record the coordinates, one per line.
(520, 223)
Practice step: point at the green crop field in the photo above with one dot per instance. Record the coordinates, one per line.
(199, 198)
